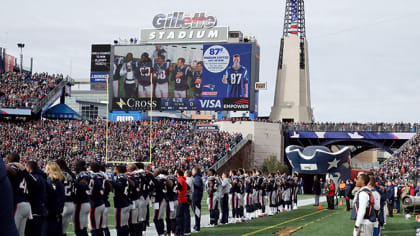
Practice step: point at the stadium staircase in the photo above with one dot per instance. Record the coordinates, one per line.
(52, 96)
(220, 163)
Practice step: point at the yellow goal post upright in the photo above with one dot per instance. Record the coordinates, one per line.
(150, 127)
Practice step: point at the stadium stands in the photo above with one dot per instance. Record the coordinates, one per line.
(24, 91)
(175, 143)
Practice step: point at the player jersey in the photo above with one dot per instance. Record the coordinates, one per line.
(159, 186)
(83, 186)
(249, 185)
(68, 187)
(181, 83)
(236, 80)
(121, 186)
(107, 190)
(144, 70)
(19, 184)
(172, 191)
(145, 184)
(162, 72)
(97, 197)
(134, 191)
(196, 75)
(127, 70)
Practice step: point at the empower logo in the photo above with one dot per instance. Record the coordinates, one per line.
(236, 104)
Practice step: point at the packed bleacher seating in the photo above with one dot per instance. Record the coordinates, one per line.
(404, 164)
(175, 143)
(24, 91)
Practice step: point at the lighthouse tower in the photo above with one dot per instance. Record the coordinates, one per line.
(292, 100)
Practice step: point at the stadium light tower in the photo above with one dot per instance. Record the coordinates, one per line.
(292, 101)
(21, 46)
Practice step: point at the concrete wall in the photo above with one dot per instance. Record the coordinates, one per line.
(266, 139)
(240, 160)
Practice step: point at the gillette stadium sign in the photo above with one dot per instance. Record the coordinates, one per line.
(180, 27)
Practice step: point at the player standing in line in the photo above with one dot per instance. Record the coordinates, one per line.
(240, 195)
(212, 186)
(161, 70)
(236, 77)
(159, 205)
(7, 223)
(144, 69)
(121, 200)
(197, 81)
(68, 211)
(128, 69)
(108, 189)
(144, 187)
(97, 204)
(22, 208)
(180, 76)
(134, 195)
(172, 199)
(83, 189)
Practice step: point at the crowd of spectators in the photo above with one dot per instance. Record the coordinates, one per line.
(23, 90)
(405, 163)
(175, 144)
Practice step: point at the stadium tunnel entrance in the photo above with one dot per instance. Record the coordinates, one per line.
(308, 181)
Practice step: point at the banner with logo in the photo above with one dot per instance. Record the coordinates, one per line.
(212, 128)
(184, 77)
(135, 104)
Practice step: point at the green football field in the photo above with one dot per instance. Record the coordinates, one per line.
(310, 221)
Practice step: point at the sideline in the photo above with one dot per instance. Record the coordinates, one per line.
(285, 222)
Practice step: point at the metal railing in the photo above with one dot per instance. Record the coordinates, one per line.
(234, 150)
(37, 108)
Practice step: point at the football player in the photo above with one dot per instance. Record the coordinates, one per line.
(180, 75)
(213, 188)
(122, 202)
(144, 69)
(128, 69)
(161, 69)
(68, 211)
(97, 204)
(197, 81)
(83, 190)
(236, 78)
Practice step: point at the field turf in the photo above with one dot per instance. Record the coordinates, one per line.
(311, 222)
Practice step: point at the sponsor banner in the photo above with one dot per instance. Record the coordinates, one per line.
(308, 166)
(98, 77)
(178, 104)
(10, 111)
(210, 104)
(101, 58)
(236, 104)
(213, 128)
(135, 104)
(123, 116)
(349, 135)
(216, 34)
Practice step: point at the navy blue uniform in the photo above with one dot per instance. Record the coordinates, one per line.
(97, 203)
(197, 83)
(55, 205)
(83, 190)
(68, 210)
(7, 223)
(196, 199)
(162, 72)
(236, 80)
(159, 184)
(181, 83)
(19, 185)
(121, 203)
(37, 186)
(144, 70)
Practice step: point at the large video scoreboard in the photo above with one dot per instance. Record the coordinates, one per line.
(180, 66)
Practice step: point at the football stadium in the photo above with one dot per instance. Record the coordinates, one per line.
(218, 118)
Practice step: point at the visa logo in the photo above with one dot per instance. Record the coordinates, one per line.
(211, 103)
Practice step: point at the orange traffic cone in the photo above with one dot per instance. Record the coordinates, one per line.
(319, 207)
(417, 218)
(341, 202)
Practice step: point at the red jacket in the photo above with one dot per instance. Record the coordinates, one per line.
(182, 192)
(331, 189)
